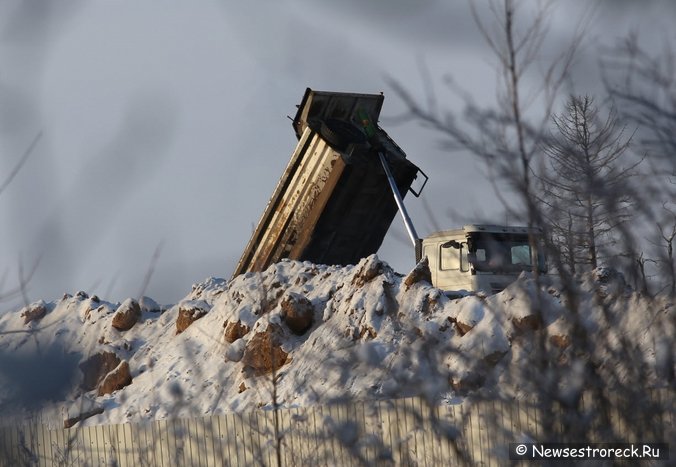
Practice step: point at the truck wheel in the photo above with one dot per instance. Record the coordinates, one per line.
(340, 133)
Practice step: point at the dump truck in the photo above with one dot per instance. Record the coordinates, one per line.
(333, 203)
(344, 185)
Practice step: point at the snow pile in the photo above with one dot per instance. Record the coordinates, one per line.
(312, 333)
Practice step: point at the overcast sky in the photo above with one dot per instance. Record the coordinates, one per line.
(164, 123)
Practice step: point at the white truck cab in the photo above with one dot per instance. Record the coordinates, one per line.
(480, 258)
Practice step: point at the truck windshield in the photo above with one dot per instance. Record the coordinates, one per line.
(502, 253)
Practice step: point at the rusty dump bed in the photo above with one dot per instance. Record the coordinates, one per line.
(333, 204)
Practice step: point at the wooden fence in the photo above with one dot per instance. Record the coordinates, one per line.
(392, 432)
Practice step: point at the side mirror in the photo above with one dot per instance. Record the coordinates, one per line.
(451, 244)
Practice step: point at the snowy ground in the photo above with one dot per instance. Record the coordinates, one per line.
(370, 336)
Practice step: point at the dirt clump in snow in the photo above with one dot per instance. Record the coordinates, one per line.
(70, 422)
(96, 367)
(116, 379)
(263, 353)
(190, 311)
(127, 314)
(235, 330)
(34, 312)
(560, 341)
(421, 272)
(529, 322)
(463, 328)
(369, 269)
(297, 312)
(471, 312)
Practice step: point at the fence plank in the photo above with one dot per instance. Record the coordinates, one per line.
(56, 438)
(220, 447)
(43, 452)
(184, 454)
(6, 445)
(238, 441)
(227, 430)
(286, 440)
(126, 448)
(314, 453)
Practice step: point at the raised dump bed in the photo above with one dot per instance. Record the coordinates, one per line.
(333, 204)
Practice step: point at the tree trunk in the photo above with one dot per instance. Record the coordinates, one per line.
(591, 234)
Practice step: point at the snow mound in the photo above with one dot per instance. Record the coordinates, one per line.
(312, 333)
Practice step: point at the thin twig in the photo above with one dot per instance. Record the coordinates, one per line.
(21, 162)
(151, 268)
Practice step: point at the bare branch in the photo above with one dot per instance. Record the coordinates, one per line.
(21, 162)
(151, 268)
(24, 280)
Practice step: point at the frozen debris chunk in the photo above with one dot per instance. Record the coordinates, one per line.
(72, 421)
(96, 367)
(529, 322)
(190, 311)
(34, 312)
(297, 312)
(235, 330)
(559, 333)
(116, 379)
(149, 305)
(208, 289)
(263, 353)
(127, 314)
(470, 314)
(421, 272)
(368, 269)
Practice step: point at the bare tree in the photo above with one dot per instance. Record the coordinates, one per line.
(508, 137)
(643, 85)
(668, 234)
(586, 187)
(605, 360)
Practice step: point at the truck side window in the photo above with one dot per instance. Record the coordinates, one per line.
(521, 254)
(450, 258)
(464, 262)
(481, 254)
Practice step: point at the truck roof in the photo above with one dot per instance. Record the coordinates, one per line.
(488, 228)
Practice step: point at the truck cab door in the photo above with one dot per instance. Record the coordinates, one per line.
(452, 265)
